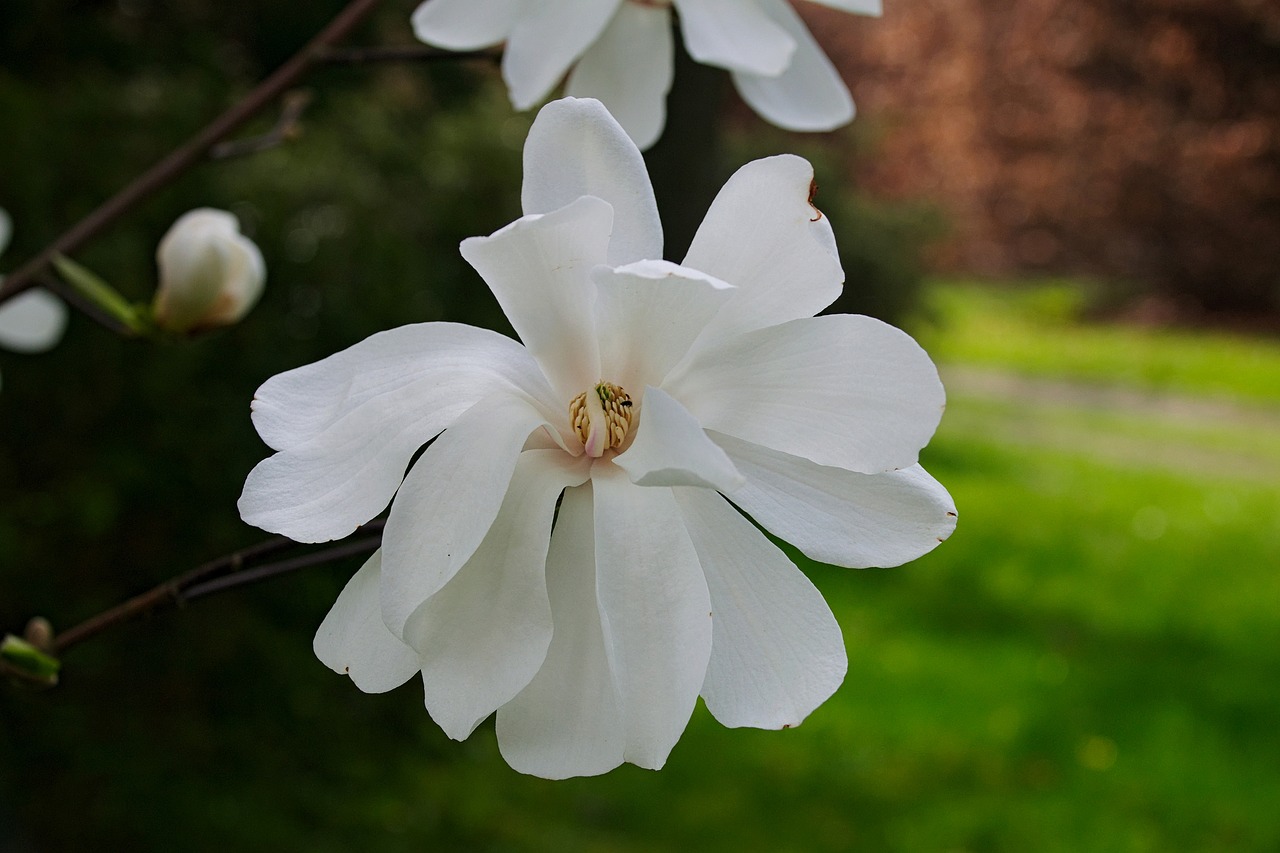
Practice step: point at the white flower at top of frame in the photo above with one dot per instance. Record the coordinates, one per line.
(210, 274)
(643, 393)
(621, 52)
(34, 320)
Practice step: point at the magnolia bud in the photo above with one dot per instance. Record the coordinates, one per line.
(210, 273)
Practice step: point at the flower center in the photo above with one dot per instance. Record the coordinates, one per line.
(601, 417)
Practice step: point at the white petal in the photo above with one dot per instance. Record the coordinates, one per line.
(809, 95)
(539, 269)
(842, 390)
(569, 720)
(670, 449)
(859, 7)
(648, 315)
(347, 426)
(655, 611)
(734, 34)
(246, 276)
(352, 640)
(576, 148)
(838, 516)
(764, 237)
(776, 652)
(465, 24)
(33, 321)
(430, 367)
(482, 637)
(546, 41)
(448, 502)
(630, 69)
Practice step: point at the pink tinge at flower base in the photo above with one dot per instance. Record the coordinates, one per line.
(644, 396)
(621, 52)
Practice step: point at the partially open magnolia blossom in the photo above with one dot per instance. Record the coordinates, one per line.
(571, 549)
(210, 273)
(32, 321)
(621, 52)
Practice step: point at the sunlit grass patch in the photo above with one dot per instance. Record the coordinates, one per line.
(1041, 330)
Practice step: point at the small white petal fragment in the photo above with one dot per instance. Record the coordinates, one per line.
(485, 634)
(859, 7)
(210, 274)
(776, 652)
(568, 721)
(352, 640)
(736, 35)
(763, 236)
(655, 611)
(809, 95)
(649, 314)
(842, 517)
(630, 68)
(539, 269)
(32, 322)
(448, 502)
(544, 43)
(575, 148)
(842, 390)
(671, 449)
(465, 24)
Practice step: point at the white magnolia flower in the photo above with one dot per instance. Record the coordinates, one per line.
(210, 273)
(34, 320)
(565, 552)
(623, 53)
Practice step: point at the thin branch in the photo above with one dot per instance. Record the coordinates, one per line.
(288, 127)
(400, 53)
(224, 573)
(193, 151)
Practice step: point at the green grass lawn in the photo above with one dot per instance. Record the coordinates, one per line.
(1089, 664)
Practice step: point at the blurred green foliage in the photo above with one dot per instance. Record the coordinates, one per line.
(1048, 680)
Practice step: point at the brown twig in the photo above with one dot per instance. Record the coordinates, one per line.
(224, 573)
(288, 127)
(193, 151)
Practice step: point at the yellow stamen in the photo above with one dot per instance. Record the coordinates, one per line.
(601, 417)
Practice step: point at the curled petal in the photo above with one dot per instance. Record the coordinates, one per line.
(838, 516)
(352, 639)
(575, 148)
(841, 390)
(776, 651)
(809, 95)
(764, 237)
(734, 34)
(648, 315)
(448, 502)
(347, 426)
(630, 68)
(568, 721)
(671, 449)
(539, 269)
(465, 24)
(484, 635)
(655, 611)
(544, 43)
